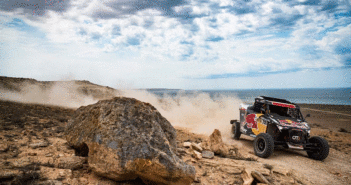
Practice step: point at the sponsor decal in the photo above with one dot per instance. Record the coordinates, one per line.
(251, 121)
(254, 122)
(283, 105)
(290, 123)
(296, 138)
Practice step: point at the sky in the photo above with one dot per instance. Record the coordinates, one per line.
(180, 44)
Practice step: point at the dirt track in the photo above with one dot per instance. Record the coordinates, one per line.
(333, 170)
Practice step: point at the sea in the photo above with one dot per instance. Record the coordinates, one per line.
(330, 96)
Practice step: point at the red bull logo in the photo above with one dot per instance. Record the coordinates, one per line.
(251, 121)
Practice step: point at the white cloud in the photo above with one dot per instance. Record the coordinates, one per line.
(97, 39)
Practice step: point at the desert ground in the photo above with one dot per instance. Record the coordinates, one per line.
(34, 151)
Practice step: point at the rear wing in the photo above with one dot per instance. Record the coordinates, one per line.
(275, 101)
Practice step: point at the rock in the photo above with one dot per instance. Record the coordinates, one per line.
(217, 145)
(83, 180)
(44, 161)
(48, 155)
(8, 174)
(181, 151)
(232, 170)
(22, 162)
(197, 155)
(263, 171)
(207, 154)
(297, 177)
(39, 144)
(246, 175)
(281, 171)
(3, 147)
(54, 173)
(73, 162)
(186, 144)
(196, 147)
(268, 166)
(50, 182)
(124, 139)
(197, 180)
(259, 177)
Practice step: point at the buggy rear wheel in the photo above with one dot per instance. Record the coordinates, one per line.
(235, 129)
(264, 145)
(322, 148)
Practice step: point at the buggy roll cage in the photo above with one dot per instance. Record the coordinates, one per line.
(261, 101)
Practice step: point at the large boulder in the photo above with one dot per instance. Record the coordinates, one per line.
(124, 139)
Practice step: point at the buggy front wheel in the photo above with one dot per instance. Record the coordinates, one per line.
(263, 145)
(321, 150)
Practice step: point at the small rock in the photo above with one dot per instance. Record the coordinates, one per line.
(264, 171)
(50, 182)
(259, 177)
(197, 155)
(74, 181)
(197, 180)
(281, 171)
(54, 173)
(48, 155)
(196, 147)
(207, 154)
(83, 180)
(217, 145)
(232, 170)
(45, 161)
(8, 174)
(246, 175)
(186, 144)
(268, 166)
(39, 144)
(4, 148)
(32, 154)
(22, 162)
(292, 181)
(62, 174)
(181, 151)
(73, 162)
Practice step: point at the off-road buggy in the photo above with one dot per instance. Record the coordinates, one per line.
(277, 122)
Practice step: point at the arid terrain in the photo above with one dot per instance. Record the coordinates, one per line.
(33, 150)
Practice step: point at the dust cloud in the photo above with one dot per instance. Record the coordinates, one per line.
(198, 112)
(63, 94)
